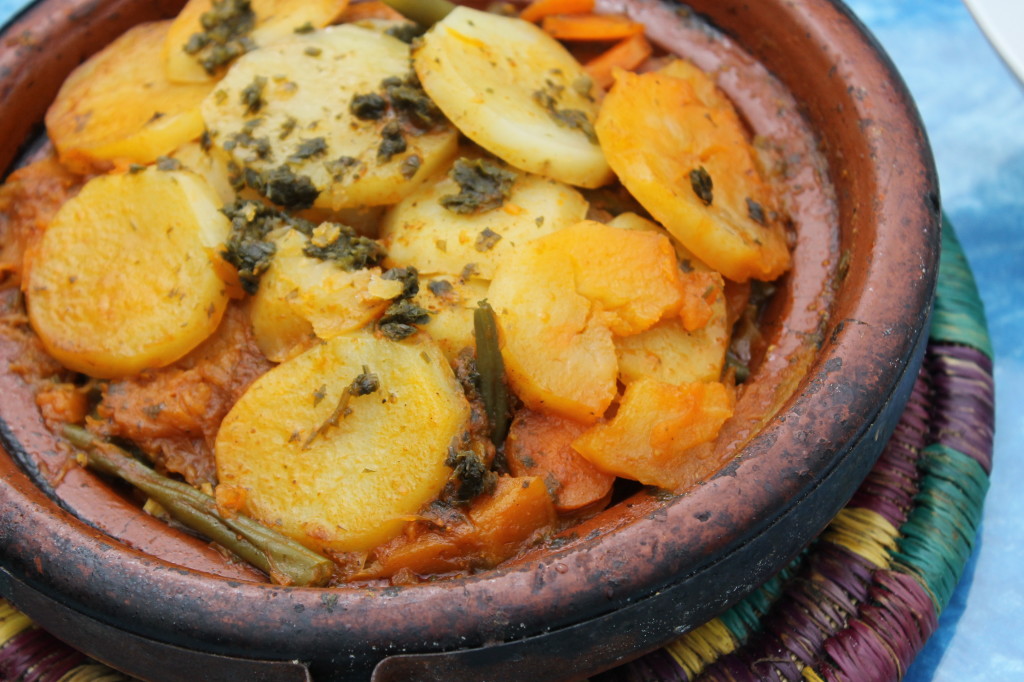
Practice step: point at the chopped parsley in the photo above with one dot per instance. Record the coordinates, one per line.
(225, 35)
(470, 477)
(483, 186)
(700, 182)
(392, 141)
(283, 186)
(364, 384)
(252, 94)
(755, 211)
(400, 319)
(567, 118)
(342, 246)
(309, 149)
(368, 107)
(487, 239)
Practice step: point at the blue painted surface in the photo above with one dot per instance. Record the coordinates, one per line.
(973, 109)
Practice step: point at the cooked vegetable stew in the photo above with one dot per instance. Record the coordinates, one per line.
(361, 299)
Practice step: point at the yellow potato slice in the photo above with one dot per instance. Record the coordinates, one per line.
(516, 92)
(421, 232)
(301, 299)
(558, 300)
(668, 351)
(124, 278)
(271, 22)
(681, 150)
(451, 303)
(211, 165)
(285, 109)
(656, 437)
(352, 486)
(120, 107)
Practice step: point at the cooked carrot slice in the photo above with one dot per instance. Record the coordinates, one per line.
(591, 26)
(361, 11)
(542, 8)
(628, 55)
(540, 444)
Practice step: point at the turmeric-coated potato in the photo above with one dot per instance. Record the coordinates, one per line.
(679, 147)
(657, 433)
(339, 446)
(560, 298)
(119, 106)
(124, 279)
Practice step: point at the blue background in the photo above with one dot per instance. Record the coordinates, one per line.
(973, 109)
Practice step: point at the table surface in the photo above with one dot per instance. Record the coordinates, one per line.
(973, 109)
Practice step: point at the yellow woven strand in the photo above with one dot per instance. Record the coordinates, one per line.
(697, 648)
(810, 675)
(12, 622)
(864, 532)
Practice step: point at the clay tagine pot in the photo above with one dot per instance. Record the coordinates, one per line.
(848, 328)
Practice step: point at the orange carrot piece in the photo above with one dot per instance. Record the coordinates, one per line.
(540, 444)
(628, 54)
(369, 10)
(542, 8)
(591, 26)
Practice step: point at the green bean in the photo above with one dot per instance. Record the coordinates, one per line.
(286, 562)
(424, 12)
(492, 371)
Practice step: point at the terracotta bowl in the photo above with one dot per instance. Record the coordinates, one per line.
(847, 330)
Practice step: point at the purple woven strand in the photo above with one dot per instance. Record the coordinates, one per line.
(889, 633)
(964, 395)
(816, 603)
(890, 488)
(859, 656)
(34, 655)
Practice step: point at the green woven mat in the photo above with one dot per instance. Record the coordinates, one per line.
(860, 602)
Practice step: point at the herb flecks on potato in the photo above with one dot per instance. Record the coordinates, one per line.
(304, 144)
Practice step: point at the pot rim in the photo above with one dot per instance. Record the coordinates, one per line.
(140, 588)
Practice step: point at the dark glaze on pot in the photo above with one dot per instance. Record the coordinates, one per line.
(633, 577)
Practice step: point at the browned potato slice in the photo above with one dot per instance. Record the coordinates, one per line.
(269, 22)
(669, 351)
(124, 278)
(120, 107)
(680, 148)
(352, 486)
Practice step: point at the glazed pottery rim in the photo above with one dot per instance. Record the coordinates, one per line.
(629, 567)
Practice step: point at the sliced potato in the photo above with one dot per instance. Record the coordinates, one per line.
(349, 487)
(421, 232)
(451, 302)
(302, 299)
(681, 150)
(284, 111)
(212, 165)
(120, 107)
(559, 299)
(657, 433)
(124, 279)
(515, 91)
(678, 350)
(272, 21)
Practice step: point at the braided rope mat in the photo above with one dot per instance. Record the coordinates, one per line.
(860, 602)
